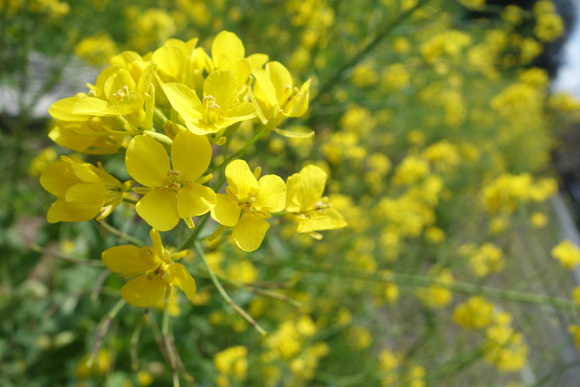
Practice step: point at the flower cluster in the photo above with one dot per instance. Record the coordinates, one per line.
(169, 113)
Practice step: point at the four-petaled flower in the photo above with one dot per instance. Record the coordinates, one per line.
(219, 109)
(153, 269)
(247, 203)
(305, 204)
(173, 192)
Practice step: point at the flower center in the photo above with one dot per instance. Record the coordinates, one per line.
(212, 110)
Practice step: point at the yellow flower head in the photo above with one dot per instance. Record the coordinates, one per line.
(83, 191)
(475, 313)
(567, 253)
(247, 203)
(219, 108)
(174, 190)
(276, 97)
(305, 204)
(154, 270)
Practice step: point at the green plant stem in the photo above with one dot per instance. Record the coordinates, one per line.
(133, 348)
(189, 241)
(106, 226)
(66, 257)
(169, 348)
(224, 294)
(240, 151)
(456, 287)
(103, 329)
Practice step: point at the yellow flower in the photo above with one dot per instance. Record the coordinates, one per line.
(154, 271)
(117, 93)
(475, 313)
(276, 97)
(567, 253)
(305, 204)
(232, 361)
(247, 204)
(219, 109)
(174, 192)
(83, 133)
(83, 191)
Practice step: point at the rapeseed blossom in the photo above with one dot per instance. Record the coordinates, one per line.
(83, 191)
(247, 203)
(175, 190)
(567, 253)
(153, 270)
(219, 109)
(305, 204)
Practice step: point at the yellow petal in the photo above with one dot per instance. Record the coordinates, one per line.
(305, 188)
(272, 194)
(250, 231)
(226, 211)
(330, 219)
(258, 60)
(180, 277)
(143, 292)
(57, 178)
(156, 243)
(228, 44)
(66, 134)
(147, 162)
(129, 259)
(299, 104)
(264, 89)
(85, 200)
(242, 111)
(117, 81)
(240, 179)
(159, 209)
(91, 106)
(184, 100)
(190, 155)
(281, 79)
(129, 103)
(63, 110)
(84, 171)
(58, 213)
(195, 200)
(223, 86)
(170, 61)
(292, 134)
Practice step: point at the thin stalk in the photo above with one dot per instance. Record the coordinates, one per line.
(225, 295)
(169, 348)
(106, 226)
(65, 257)
(103, 329)
(458, 287)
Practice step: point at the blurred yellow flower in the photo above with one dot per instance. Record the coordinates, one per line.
(567, 253)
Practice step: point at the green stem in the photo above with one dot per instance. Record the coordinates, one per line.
(459, 287)
(120, 233)
(103, 329)
(194, 233)
(240, 151)
(224, 294)
(169, 348)
(65, 257)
